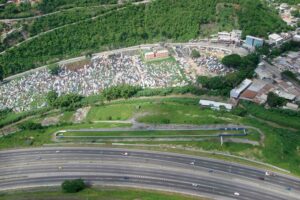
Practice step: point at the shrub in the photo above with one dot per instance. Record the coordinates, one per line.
(30, 126)
(73, 186)
(54, 69)
(195, 53)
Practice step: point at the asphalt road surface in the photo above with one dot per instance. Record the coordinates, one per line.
(162, 171)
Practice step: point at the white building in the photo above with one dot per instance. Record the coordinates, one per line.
(215, 105)
(291, 106)
(296, 38)
(285, 95)
(236, 92)
(233, 36)
(275, 39)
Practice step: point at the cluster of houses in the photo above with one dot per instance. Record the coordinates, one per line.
(268, 79)
(285, 11)
(252, 42)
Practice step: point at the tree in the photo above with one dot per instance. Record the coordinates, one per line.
(120, 91)
(1, 73)
(51, 98)
(233, 60)
(274, 100)
(73, 186)
(195, 53)
(203, 80)
(54, 69)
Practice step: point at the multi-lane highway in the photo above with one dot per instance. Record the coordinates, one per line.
(163, 171)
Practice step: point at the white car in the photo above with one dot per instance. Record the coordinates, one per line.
(57, 151)
(125, 154)
(194, 185)
(236, 194)
(267, 173)
(192, 163)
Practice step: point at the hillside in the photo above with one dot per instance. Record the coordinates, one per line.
(160, 20)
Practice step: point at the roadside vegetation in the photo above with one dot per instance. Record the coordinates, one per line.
(95, 194)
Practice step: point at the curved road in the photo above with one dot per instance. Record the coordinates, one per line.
(163, 171)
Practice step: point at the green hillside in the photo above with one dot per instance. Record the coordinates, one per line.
(160, 20)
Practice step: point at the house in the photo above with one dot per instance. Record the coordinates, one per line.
(149, 55)
(215, 105)
(233, 36)
(262, 73)
(156, 54)
(162, 53)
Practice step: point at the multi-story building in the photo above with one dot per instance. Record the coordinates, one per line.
(253, 42)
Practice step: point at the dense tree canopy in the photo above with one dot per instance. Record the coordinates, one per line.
(160, 20)
(233, 60)
(120, 91)
(67, 101)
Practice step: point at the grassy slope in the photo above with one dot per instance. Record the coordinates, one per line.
(94, 194)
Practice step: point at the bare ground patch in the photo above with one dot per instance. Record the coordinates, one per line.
(80, 114)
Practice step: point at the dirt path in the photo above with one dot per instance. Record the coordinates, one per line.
(273, 124)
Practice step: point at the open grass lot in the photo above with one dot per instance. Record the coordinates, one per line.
(161, 111)
(111, 112)
(96, 194)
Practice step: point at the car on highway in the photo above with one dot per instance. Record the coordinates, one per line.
(288, 188)
(236, 194)
(194, 184)
(268, 173)
(261, 178)
(57, 151)
(125, 154)
(38, 158)
(192, 163)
